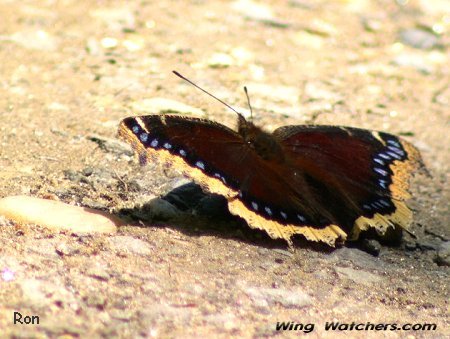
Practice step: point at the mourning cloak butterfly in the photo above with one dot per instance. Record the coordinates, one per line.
(327, 183)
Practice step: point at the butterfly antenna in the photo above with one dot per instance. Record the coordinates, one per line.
(249, 104)
(205, 91)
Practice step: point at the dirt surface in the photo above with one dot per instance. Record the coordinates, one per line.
(71, 70)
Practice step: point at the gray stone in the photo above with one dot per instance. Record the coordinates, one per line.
(185, 197)
(65, 249)
(443, 254)
(358, 258)
(419, 38)
(410, 245)
(264, 297)
(357, 276)
(72, 175)
(161, 209)
(130, 245)
(372, 246)
(111, 145)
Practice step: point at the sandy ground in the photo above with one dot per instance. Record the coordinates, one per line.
(71, 70)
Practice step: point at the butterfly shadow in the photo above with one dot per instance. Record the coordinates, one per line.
(195, 213)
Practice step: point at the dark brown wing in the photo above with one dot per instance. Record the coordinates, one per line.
(202, 144)
(354, 172)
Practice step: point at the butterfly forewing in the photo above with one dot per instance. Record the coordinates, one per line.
(213, 148)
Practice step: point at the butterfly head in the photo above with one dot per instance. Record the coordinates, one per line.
(264, 144)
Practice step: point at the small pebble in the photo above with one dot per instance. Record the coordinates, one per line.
(443, 254)
(161, 209)
(109, 43)
(72, 175)
(372, 246)
(35, 39)
(220, 60)
(111, 145)
(372, 25)
(253, 10)
(130, 245)
(87, 171)
(57, 215)
(264, 297)
(410, 245)
(419, 38)
(134, 44)
(356, 257)
(357, 276)
(64, 249)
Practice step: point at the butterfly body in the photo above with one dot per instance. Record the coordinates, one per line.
(263, 143)
(327, 183)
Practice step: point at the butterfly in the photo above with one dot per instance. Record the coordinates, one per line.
(327, 183)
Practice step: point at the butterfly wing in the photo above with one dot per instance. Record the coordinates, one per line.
(360, 177)
(198, 144)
